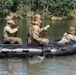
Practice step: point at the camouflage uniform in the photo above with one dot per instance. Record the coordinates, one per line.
(7, 35)
(34, 33)
(67, 37)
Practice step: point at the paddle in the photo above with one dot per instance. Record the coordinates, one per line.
(16, 34)
(44, 32)
(16, 31)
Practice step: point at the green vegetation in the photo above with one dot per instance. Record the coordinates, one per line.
(47, 8)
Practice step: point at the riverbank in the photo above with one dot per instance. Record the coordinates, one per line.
(70, 16)
(55, 18)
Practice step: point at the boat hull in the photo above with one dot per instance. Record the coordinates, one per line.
(24, 50)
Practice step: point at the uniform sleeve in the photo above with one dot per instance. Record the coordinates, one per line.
(41, 29)
(11, 30)
(72, 37)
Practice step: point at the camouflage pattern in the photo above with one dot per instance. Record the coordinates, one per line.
(34, 35)
(67, 37)
(7, 35)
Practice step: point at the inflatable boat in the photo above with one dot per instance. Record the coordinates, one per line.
(25, 50)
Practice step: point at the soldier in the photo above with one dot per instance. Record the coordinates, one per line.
(8, 31)
(68, 36)
(35, 30)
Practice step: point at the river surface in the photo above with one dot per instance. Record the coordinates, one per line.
(63, 65)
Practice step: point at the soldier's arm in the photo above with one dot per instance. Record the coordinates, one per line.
(71, 37)
(74, 38)
(44, 28)
(11, 30)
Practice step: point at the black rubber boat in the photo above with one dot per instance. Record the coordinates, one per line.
(24, 50)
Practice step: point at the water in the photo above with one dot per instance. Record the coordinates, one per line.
(56, 30)
(49, 66)
(64, 65)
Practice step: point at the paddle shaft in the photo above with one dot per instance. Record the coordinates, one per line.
(44, 33)
(16, 33)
